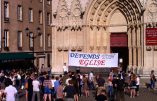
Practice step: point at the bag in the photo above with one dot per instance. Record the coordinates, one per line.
(26, 85)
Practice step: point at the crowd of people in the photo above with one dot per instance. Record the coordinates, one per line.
(70, 86)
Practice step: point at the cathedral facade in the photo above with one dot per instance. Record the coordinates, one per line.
(105, 26)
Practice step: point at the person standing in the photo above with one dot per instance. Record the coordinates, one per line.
(41, 69)
(152, 79)
(115, 83)
(137, 85)
(69, 91)
(133, 86)
(91, 81)
(85, 85)
(30, 88)
(100, 82)
(56, 84)
(59, 93)
(49, 70)
(10, 92)
(120, 89)
(65, 68)
(47, 88)
(80, 83)
(53, 89)
(110, 87)
(36, 90)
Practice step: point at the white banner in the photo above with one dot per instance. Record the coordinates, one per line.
(93, 59)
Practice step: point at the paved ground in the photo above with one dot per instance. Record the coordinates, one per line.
(145, 95)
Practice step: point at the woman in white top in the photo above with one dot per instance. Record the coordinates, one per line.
(137, 84)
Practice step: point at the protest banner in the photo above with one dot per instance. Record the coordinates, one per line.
(93, 59)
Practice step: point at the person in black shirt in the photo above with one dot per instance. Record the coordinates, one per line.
(30, 88)
(101, 96)
(100, 81)
(120, 89)
(70, 92)
(115, 83)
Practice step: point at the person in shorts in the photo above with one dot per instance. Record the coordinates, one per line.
(47, 88)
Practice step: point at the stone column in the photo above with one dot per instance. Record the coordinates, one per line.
(92, 38)
(87, 38)
(130, 46)
(80, 38)
(135, 57)
(107, 41)
(130, 58)
(99, 42)
(139, 51)
(142, 44)
(95, 32)
(104, 40)
(134, 40)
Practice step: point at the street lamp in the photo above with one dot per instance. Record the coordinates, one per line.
(33, 37)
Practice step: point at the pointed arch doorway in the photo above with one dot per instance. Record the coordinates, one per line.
(119, 37)
(119, 44)
(103, 24)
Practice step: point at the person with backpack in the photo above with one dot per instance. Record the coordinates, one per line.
(47, 88)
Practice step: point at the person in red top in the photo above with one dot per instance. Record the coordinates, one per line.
(60, 93)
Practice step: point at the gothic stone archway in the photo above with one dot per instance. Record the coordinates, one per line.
(98, 16)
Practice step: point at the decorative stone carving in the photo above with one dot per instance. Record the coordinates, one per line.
(99, 1)
(73, 48)
(65, 48)
(91, 47)
(104, 47)
(148, 48)
(79, 48)
(62, 9)
(59, 48)
(155, 48)
(98, 47)
(76, 8)
(153, 7)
